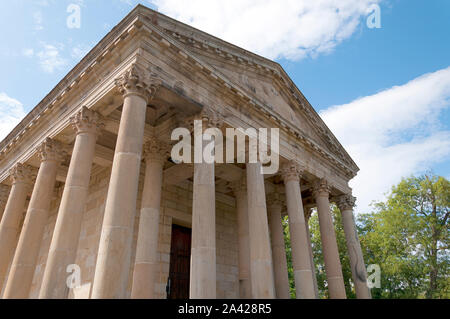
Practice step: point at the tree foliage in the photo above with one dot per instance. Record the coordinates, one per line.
(407, 236)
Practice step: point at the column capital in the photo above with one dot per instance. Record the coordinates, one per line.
(345, 202)
(275, 199)
(51, 150)
(156, 151)
(22, 173)
(209, 118)
(87, 121)
(291, 171)
(136, 81)
(321, 187)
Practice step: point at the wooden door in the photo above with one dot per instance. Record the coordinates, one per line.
(180, 261)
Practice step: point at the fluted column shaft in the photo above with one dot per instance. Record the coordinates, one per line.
(114, 253)
(146, 262)
(359, 272)
(245, 288)
(260, 251)
(281, 278)
(22, 176)
(24, 263)
(63, 248)
(336, 287)
(203, 249)
(301, 260)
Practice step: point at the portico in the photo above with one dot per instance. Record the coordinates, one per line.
(90, 171)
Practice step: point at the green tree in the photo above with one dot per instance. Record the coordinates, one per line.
(407, 236)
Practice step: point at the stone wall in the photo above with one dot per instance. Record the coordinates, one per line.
(176, 209)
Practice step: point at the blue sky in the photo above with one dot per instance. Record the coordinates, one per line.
(384, 92)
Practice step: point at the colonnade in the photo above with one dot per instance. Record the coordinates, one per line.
(262, 258)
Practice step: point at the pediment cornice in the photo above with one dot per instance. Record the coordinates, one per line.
(142, 19)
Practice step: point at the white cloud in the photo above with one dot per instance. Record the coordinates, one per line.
(289, 29)
(50, 58)
(394, 133)
(28, 52)
(11, 113)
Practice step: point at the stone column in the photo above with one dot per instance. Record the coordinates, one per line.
(24, 262)
(359, 273)
(281, 278)
(301, 260)
(240, 191)
(22, 178)
(4, 193)
(203, 248)
(147, 262)
(336, 287)
(308, 212)
(114, 253)
(261, 267)
(63, 248)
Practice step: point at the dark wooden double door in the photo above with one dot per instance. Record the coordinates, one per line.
(180, 262)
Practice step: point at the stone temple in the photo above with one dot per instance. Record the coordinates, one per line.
(93, 205)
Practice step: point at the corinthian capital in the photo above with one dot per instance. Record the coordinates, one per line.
(211, 119)
(239, 186)
(138, 82)
(51, 150)
(275, 199)
(291, 171)
(321, 188)
(345, 202)
(156, 151)
(87, 120)
(22, 173)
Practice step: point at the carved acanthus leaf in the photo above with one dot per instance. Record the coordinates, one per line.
(291, 171)
(345, 202)
(87, 120)
(156, 150)
(137, 81)
(51, 150)
(321, 188)
(22, 173)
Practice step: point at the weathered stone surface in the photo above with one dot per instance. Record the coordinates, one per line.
(113, 220)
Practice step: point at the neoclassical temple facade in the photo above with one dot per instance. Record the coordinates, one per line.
(93, 205)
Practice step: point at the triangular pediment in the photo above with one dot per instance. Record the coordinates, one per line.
(261, 86)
